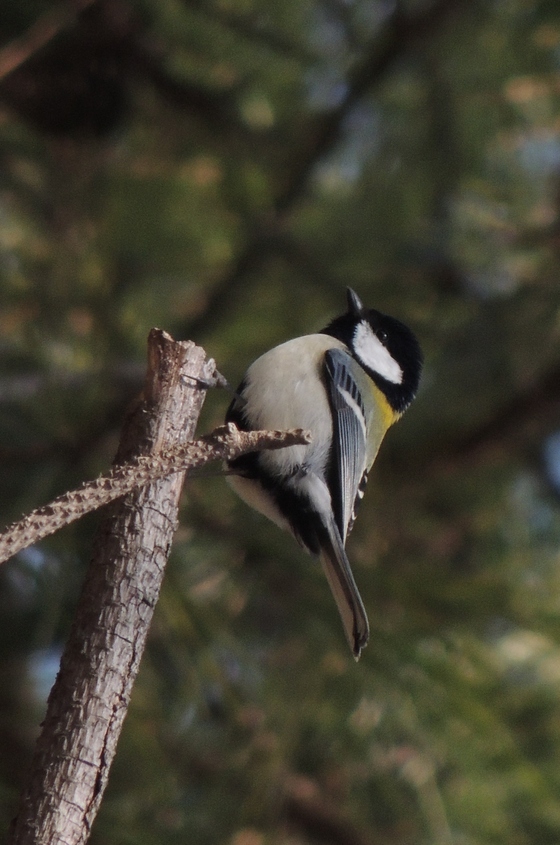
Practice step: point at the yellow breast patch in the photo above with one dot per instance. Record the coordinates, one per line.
(390, 416)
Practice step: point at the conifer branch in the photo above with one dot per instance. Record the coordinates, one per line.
(224, 443)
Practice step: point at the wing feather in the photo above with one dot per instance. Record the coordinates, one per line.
(349, 448)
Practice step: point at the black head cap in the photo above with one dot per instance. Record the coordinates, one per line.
(386, 349)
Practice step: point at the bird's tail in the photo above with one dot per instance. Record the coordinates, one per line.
(343, 587)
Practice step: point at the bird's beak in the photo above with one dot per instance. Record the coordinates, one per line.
(355, 306)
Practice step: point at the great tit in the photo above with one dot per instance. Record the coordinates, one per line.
(347, 384)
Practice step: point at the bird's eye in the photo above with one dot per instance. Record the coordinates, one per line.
(382, 335)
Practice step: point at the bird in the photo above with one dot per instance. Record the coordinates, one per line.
(347, 385)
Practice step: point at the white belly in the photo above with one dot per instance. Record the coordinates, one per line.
(291, 394)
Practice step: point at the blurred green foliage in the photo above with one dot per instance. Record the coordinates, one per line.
(223, 169)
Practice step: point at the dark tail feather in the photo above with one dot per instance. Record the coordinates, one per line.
(343, 587)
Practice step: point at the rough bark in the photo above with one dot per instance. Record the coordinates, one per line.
(88, 702)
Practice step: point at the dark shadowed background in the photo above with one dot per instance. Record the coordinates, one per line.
(223, 169)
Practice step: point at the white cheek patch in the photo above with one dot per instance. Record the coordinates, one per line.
(374, 355)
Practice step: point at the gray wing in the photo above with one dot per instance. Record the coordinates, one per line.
(348, 458)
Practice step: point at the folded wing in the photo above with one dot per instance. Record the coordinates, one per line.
(348, 460)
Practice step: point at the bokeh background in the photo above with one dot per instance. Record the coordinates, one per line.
(223, 169)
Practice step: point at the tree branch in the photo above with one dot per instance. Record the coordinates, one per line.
(527, 416)
(315, 815)
(320, 139)
(39, 34)
(403, 31)
(89, 699)
(224, 443)
(518, 426)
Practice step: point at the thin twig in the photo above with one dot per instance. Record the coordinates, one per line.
(224, 443)
(39, 34)
(319, 140)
